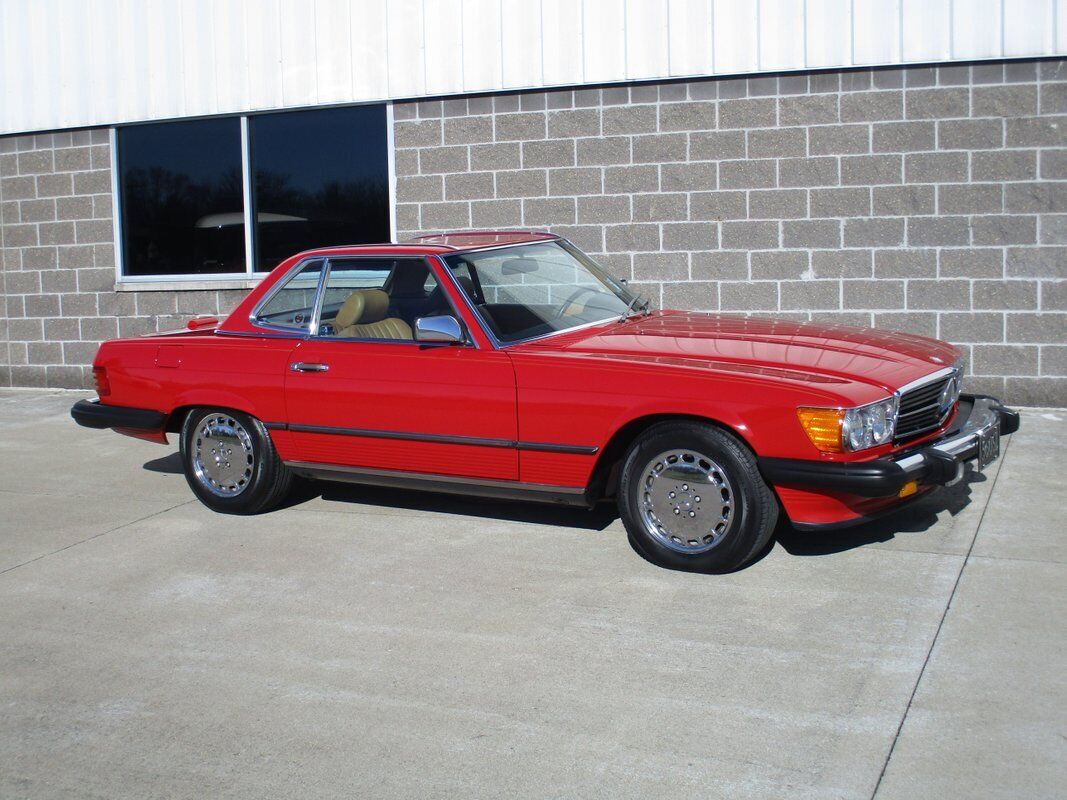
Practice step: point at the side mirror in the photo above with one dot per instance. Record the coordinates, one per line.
(443, 330)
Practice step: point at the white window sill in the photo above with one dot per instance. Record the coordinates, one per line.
(181, 285)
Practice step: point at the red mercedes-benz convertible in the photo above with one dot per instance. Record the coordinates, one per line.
(508, 364)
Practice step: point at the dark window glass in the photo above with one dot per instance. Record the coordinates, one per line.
(321, 178)
(182, 200)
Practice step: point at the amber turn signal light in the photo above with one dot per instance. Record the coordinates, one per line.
(823, 426)
(908, 489)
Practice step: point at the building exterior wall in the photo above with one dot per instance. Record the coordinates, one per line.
(931, 200)
(57, 239)
(927, 200)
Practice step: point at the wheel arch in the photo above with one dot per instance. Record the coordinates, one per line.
(604, 479)
(224, 401)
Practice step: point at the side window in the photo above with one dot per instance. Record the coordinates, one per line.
(377, 298)
(293, 305)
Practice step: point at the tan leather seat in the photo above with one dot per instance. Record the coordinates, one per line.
(363, 316)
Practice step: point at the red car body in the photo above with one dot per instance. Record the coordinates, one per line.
(554, 413)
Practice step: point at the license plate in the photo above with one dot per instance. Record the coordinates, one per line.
(988, 446)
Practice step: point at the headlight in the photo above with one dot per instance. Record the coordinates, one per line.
(837, 430)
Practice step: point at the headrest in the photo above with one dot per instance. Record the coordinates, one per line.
(362, 307)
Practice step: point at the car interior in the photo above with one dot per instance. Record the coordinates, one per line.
(382, 299)
(407, 290)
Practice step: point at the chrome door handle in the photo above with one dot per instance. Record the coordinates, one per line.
(308, 366)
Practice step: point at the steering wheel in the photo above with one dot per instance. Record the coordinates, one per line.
(566, 304)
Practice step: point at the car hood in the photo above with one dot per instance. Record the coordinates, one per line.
(885, 359)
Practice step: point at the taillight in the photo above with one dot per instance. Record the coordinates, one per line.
(103, 387)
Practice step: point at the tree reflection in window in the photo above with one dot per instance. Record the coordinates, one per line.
(321, 178)
(182, 199)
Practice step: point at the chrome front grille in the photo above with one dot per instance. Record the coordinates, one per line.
(921, 408)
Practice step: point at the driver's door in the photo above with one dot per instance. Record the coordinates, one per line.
(396, 404)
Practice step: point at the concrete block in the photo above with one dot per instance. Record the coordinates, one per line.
(811, 233)
(629, 120)
(695, 116)
(839, 139)
(971, 263)
(749, 235)
(466, 186)
(779, 265)
(905, 200)
(846, 202)
(689, 177)
(748, 174)
(718, 206)
(902, 137)
(874, 232)
(1003, 229)
(718, 145)
(690, 236)
(944, 294)
(748, 113)
(642, 178)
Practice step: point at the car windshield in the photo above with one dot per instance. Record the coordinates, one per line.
(530, 290)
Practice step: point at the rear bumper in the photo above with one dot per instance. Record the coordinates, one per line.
(93, 414)
(934, 463)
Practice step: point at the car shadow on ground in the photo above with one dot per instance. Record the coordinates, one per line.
(917, 518)
(596, 519)
(167, 465)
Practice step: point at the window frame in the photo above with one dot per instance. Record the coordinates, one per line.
(249, 278)
(483, 324)
(310, 332)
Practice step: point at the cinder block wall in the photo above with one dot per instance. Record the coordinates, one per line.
(58, 278)
(930, 200)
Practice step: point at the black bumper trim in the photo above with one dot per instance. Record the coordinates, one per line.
(93, 414)
(885, 477)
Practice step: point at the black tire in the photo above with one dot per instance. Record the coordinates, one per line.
(744, 498)
(262, 484)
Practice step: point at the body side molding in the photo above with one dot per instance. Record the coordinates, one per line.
(440, 438)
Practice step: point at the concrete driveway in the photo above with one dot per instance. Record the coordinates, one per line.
(370, 643)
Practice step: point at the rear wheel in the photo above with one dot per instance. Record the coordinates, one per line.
(230, 462)
(691, 498)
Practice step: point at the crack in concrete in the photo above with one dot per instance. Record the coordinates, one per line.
(95, 536)
(940, 624)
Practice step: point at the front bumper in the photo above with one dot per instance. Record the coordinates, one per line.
(935, 463)
(94, 414)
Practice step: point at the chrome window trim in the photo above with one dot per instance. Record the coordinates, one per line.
(320, 294)
(282, 282)
(310, 332)
(313, 332)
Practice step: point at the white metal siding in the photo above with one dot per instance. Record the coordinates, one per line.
(72, 63)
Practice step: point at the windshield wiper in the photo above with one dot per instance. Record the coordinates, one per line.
(639, 304)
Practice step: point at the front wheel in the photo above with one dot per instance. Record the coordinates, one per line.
(692, 498)
(230, 462)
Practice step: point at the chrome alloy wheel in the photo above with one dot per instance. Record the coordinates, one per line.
(687, 502)
(222, 455)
